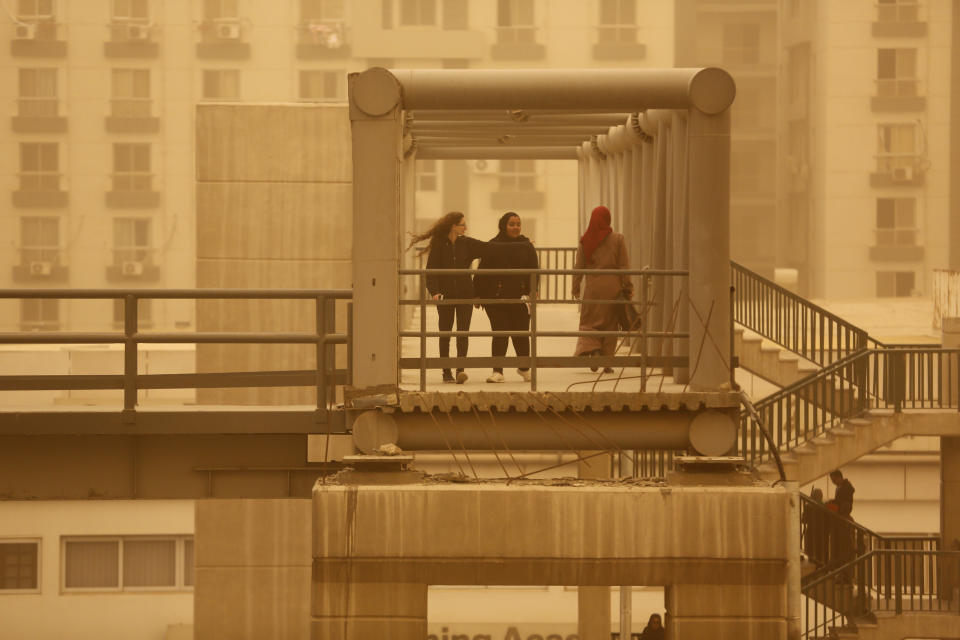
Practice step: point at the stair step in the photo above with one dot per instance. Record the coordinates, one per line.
(859, 422)
(842, 431)
(823, 441)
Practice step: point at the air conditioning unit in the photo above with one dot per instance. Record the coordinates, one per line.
(228, 31)
(484, 167)
(137, 32)
(40, 268)
(903, 174)
(131, 268)
(26, 31)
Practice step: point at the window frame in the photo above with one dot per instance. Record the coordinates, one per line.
(888, 161)
(44, 252)
(133, 105)
(133, 252)
(132, 176)
(339, 76)
(43, 323)
(207, 74)
(37, 17)
(896, 229)
(509, 22)
(734, 53)
(39, 174)
(38, 542)
(619, 28)
(511, 181)
(892, 11)
(37, 97)
(898, 85)
(179, 560)
(129, 18)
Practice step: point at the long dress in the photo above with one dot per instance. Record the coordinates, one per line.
(598, 316)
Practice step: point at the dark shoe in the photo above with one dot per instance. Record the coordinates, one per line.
(593, 354)
(608, 369)
(447, 377)
(461, 376)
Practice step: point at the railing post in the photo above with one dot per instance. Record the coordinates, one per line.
(533, 333)
(321, 330)
(350, 343)
(423, 329)
(643, 331)
(129, 357)
(898, 582)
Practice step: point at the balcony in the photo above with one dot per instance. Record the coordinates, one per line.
(897, 170)
(40, 190)
(222, 39)
(38, 115)
(132, 115)
(131, 39)
(38, 37)
(899, 20)
(517, 43)
(618, 42)
(39, 264)
(897, 94)
(323, 40)
(132, 190)
(896, 245)
(133, 264)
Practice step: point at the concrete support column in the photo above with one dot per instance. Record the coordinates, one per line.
(359, 611)
(593, 603)
(726, 612)
(709, 246)
(681, 250)
(377, 155)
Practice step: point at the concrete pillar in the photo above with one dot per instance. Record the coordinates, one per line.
(681, 250)
(709, 245)
(726, 611)
(377, 156)
(593, 603)
(359, 611)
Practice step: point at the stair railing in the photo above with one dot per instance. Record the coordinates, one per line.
(808, 408)
(791, 321)
(891, 580)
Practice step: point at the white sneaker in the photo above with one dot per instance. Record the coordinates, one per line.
(525, 374)
(496, 376)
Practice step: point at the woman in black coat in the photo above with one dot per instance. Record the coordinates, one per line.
(450, 248)
(654, 629)
(508, 317)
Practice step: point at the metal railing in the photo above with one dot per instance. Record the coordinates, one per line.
(894, 580)
(640, 339)
(324, 377)
(556, 287)
(791, 321)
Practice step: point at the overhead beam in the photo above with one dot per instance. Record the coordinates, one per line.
(496, 153)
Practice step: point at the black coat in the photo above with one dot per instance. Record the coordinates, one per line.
(457, 255)
(523, 256)
(843, 496)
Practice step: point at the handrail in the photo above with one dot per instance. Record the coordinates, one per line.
(324, 337)
(791, 321)
(895, 580)
(640, 336)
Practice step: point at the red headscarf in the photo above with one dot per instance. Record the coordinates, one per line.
(597, 232)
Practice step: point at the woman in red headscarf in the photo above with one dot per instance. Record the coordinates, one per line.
(601, 248)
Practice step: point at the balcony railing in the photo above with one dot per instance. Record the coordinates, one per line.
(325, 377)
(36, 107)
(617, 33)
(638, 339)
(39, 181)
(898, 11)
(132, 181)
(897, 87)
(516, 34)
(131, 107)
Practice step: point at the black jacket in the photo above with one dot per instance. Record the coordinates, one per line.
(523, 256)
(457, 255)
(843, 496)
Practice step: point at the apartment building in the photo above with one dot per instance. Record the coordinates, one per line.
(99, 96)
(865, 168)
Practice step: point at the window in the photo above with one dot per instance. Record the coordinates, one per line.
(426, 175)
(131, 166)
(896, 72)
(38, 93)
(144, 313)
(518, 175)
(323, 86)
(618, 21)
(896, 222)
(127, 563)
(39, 313)
(131, 10)
(898, 10)
(895, 284)
(221, 9)
(131, 93)
(418, 13)
(741, 43)
(321, 10)
(35, 9)
(39, 240)
(515, 21)
(39, 166)
(221, 84)
(131, 241)
(897, 149)
(19, 565)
